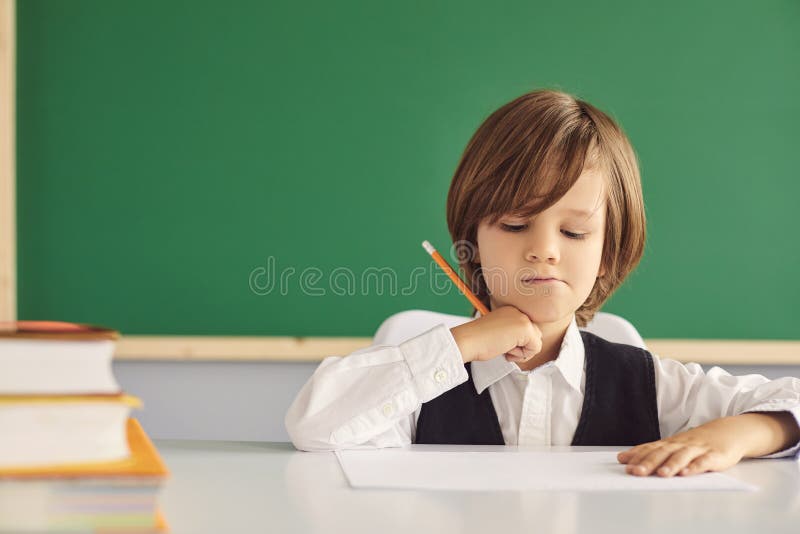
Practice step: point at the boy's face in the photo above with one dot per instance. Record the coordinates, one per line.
(545, 245)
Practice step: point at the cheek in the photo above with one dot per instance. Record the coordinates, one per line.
(590, 266)
(497, 271)
(497, 254)
(583, 262)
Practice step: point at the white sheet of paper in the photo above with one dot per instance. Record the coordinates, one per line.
(401, 468)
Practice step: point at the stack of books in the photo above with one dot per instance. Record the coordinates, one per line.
(71, 457)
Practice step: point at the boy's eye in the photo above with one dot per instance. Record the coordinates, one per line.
(519, 227)
(573, 235)
(513, 227)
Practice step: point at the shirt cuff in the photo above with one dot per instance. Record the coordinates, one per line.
(435, 362)
(795, 411)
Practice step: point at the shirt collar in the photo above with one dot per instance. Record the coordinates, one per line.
(569, 362)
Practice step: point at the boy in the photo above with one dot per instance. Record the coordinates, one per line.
(547, 196)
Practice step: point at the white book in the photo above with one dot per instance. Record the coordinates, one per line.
(52, 358)
(41, 431)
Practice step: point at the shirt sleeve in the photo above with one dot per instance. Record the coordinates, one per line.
(368, 399)
(688, 397)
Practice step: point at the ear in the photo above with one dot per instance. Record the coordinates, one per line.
(602, 272)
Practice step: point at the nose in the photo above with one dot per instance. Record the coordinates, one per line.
(542, 245)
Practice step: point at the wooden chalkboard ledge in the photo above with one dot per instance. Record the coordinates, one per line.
(314, 349)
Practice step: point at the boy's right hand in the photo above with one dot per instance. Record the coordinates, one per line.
(503, 330)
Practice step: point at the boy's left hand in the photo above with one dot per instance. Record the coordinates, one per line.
(710, 447)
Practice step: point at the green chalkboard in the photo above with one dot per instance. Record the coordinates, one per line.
(167, 151)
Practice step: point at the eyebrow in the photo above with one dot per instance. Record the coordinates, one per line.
(577, 212)
(580, 212)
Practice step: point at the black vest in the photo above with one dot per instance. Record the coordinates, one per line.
(619, 404)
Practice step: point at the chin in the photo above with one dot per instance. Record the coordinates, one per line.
(543, 312)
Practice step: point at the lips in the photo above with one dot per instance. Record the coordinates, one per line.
(540, 280)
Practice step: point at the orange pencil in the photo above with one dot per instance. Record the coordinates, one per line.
(455, 278)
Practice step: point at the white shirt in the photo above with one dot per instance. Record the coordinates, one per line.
(373, 397)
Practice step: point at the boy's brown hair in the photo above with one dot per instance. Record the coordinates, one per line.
(524, 157)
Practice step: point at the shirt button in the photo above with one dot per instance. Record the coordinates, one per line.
(388, 409)
(440, 376)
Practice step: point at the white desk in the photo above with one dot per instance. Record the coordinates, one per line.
(219, 487)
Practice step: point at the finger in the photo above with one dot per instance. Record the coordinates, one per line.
(518, 355)
(651, 461)
(624, 456)
(513, 355)
(641, 451)
(701, 464)
(536, 329)
(678, 460)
